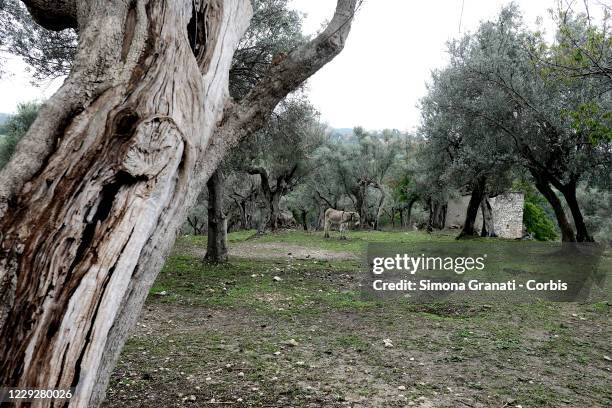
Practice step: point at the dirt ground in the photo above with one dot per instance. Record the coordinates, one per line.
(284, 250)
(253, 249)
(277, 330)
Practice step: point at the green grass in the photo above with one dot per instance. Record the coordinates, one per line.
(356, 240)
(535, 354)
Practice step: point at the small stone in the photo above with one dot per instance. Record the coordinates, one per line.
(401, 388)
(277, 278)
(277, 353)
(292, 343)
(241, 374)
(388, 342)
(208, 378)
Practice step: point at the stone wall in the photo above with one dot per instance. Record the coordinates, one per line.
(507, 214)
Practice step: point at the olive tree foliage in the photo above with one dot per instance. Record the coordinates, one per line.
(14, 128)
(275, 30)
(322, 189)
(280, 153)
(471, 156)
(583, 45)
(521, 105)
(48, 53)
(597, 206)
(354, 174)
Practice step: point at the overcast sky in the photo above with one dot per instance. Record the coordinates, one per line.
(378, 79)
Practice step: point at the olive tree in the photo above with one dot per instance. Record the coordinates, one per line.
(92, 200)
(506, 87)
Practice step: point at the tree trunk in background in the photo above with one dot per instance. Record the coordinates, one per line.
(321, 217)
(488, 226)
(437, 215)
(409, 210)
(216, 247)
(543, 186)
(243, 215)
(478, 193)
(430, 221)
(304, 221)
(361, 204)
(93, 198)
(582, 233)
(274, 208)
(379, 209)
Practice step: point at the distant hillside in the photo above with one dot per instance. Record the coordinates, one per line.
(341, 134)
(3, 117)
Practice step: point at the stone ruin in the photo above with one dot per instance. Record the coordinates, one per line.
(507, 211)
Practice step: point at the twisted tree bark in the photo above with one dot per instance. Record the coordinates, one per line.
(86, 228)
(95, 194)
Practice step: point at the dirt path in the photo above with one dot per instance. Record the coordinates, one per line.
(282, 250)
(270, 250)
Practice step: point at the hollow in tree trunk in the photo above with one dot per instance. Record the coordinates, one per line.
(216, 247)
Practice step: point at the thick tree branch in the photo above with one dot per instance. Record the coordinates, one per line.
(263, 174)
(289, 72)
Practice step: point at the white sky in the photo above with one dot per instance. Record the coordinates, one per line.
(378, 79)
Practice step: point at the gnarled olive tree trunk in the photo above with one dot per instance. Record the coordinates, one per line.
(95, 194)
(92, 201)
